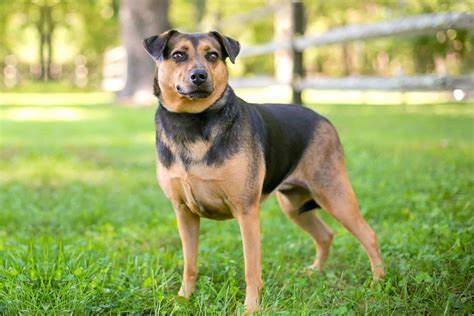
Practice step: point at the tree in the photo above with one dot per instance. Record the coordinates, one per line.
(138, 20)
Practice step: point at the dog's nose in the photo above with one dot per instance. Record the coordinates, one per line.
(198, 76)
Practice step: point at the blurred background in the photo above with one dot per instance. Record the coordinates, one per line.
(95, 45)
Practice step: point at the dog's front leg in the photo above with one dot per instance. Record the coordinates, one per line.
(188, 227)
(250, 230)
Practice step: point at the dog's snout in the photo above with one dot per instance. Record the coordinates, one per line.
(198, 76)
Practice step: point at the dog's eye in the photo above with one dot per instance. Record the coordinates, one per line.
(178, 56)
(212, 57)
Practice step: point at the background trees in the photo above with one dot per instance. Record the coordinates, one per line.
(65, 40)
(59, 40)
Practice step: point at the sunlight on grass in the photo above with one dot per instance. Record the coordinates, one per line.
(55, 99)
(282, 94)
(374, 97)
(464, 110)
(49, 114)
(269, 94)
(275, 94)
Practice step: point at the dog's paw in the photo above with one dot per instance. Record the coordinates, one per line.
(251, 303)
(251, 307)
(318, 265)
(378, 276)
(185, 293)
(312, 269)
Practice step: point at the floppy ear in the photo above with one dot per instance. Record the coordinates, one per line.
(230, 46)
(155, 45)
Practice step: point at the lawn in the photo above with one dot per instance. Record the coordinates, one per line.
(84, 228)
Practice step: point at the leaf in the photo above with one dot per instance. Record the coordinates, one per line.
(423, 277)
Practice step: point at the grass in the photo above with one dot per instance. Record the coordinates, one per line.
(84, 228)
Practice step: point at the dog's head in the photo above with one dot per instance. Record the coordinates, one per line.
(191, 72)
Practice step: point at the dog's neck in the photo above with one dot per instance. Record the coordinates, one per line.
(216, 128)
(189, 127)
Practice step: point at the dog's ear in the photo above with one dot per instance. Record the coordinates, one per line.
(155, 45)
(230, 46)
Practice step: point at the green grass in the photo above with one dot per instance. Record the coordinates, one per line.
(84, 228)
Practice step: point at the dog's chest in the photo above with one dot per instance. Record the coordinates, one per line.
(207, 191)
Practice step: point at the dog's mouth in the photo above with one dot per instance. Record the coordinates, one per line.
(194, 94)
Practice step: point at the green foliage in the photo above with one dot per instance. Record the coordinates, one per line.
(78, 28)
(407, 55)
(89, 27)
(84, 228)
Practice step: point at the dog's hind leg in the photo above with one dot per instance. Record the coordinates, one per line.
(338, 199)
(291, 201)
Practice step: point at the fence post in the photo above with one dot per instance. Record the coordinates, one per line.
(283, 32)
(298, 18)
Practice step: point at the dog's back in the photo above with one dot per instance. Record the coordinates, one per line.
(285, 132)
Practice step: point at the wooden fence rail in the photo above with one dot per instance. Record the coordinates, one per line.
(426, 24)
(400, 83)
(416, 25)
(397, 83)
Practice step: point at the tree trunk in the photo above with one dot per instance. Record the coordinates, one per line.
(138, 20)
(199, 10)
(346, 59)
(40, 25)
(49, 29)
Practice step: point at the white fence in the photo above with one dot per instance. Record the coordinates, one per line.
(410, 26)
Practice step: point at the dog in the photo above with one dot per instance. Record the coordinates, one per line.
(219, 157)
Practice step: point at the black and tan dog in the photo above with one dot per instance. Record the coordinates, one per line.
(219, 157)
